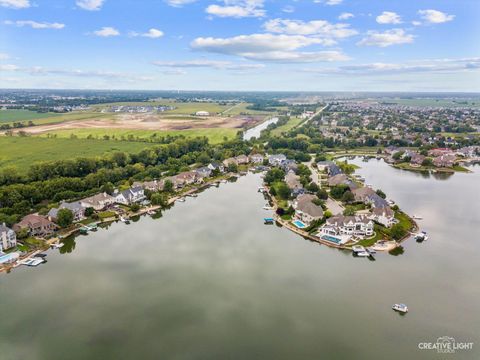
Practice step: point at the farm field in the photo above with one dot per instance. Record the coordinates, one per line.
(214, 135)
(7, 116)
(24, 151)
(241, 108)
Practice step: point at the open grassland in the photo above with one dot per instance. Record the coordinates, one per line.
(22, 152)
(241, 109)
(185, 108)
(292, 123)
(7, 116)
(214, 135)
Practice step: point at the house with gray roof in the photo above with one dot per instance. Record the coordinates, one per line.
(130, 196)
(98, 202)
(306, 210)
(77, 209)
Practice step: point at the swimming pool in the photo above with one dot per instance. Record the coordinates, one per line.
(331, 239)
(299, 224)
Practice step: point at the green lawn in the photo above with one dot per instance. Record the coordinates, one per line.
(21, 152)
(7, 116)
(214, 135)
(242, 109)
(293, 122)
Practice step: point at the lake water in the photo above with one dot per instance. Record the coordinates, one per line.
(209, 281)
(255, 132)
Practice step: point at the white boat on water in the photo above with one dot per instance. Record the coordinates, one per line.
(358, 249)
(362, 254)
(181, 199)
(421, 236)
(124, 220)
(33, 261)
(57, 246)
(224, 181)
(400, 308)
(266, 207)
(417, 217)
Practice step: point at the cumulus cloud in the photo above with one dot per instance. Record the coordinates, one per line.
(318, 28)
(107, 31)
(205, 63)
(15, 4)
(345, 16)
(152, 34)
(387, 38)
(179, 3)
(267, 47)
(420, 66)
(329, 2)
(35, 24)
(8, 67)
(434, 16)
(237, 9)
(90, 5)
(389, 17)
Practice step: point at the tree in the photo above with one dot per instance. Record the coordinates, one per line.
(134, 207)
(89, 211)
(158, 199)
(381, 194)
(168, 186)
(397, 231)
(337, 191)
(348, 197)
(232, 167)
(427, 162)
(322, 194)
(283, 191)
(312, 187)
(273, 175)
(349, 211)
(64, 217)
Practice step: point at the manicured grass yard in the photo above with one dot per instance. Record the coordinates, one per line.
(7, 116)
(214, 135)
(21, 152)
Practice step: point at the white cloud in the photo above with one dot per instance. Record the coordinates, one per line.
(152, 34)
(107, 31)
(434, 16)
(387, 38)
(288, 9)
(333, 2)
(8, 67)
(345, 16)
(4, 56)
(318, 28)
(237, 9)
(204, 63)
(179, 3)
(90, 5)
(35, 24)
(419, 66)
(268, 47)
(15, 4)
(389, 17)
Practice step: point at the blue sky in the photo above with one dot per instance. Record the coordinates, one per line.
(309, 45)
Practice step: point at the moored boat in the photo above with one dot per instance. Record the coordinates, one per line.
(400, 308)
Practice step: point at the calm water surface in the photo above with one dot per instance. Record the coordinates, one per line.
(209, 281)
(256, 131)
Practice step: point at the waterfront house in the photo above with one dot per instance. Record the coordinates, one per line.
(216, 166)
(368, 196)
(8, 238)
(155, 185)
(417, 159)
(256, 158)
(187, 178)
(439, 152)
(293, 180)
(242, 159)
(203, 172)
(341, 179)
(36, 225)
(384, 216)
(76, 208)
(229, 161)
(306, 210)
(130, 196)
(358, 225)
(447, 160)
(276, 159)
(98, 202)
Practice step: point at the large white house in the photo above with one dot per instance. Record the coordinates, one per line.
(358, 225)
(8, 238)
(384, 216)
(130, 196)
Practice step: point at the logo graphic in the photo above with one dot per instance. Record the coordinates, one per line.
(445, 345)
